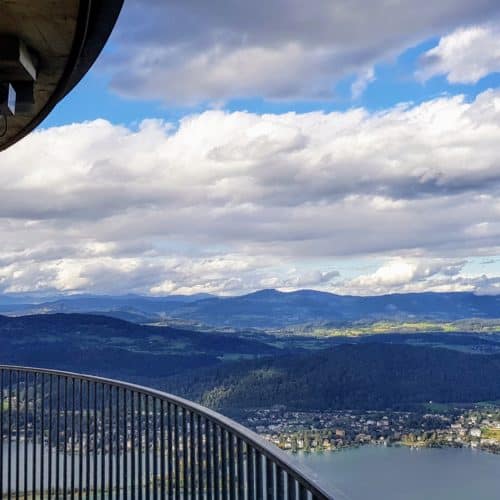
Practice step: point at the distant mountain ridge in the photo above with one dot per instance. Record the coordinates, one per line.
(271, 308)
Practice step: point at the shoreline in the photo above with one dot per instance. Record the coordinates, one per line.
(411, 446)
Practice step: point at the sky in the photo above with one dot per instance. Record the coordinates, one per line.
(351, 146)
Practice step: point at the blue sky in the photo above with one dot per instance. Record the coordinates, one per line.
(337, 146)
(394, 83)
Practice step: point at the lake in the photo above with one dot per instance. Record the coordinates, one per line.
(400, 473)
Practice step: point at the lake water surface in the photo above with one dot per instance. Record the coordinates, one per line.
(399, 473)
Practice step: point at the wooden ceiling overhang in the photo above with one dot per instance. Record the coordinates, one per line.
(46, 47)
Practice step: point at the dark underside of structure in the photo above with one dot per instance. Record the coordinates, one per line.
(46, 47)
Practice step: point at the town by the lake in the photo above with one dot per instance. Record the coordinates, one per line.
(472, 427)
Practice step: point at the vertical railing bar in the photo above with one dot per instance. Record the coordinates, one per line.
(176, 441)
(80, 439)
(42, 448)
(232, 466)
(162, 449)
(155, 451)
(96, 442)
(73, 435)
(170, 459)
(139, 430)
(199, 449)
(125, 444)
(110, 441)
(87, 442)
(58, 426)
(208, 458)
(303, 493)
(291, 487)
(192, 458)
(9, 438)
(269, 477)
(241, 469)
(147, 450)
(259, 483)
(118, 449)
(65, 440)
(103, 441)
(25, 463)
(18, 429)
(42, 440)
(224, 464)
(185, 454)
(132, 447)
(250, 472)
(216, 464)
(35, 430)
(280, 494)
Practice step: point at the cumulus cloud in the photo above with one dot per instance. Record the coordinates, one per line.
(403, 275)
(400, 274)
(229, 202)
(198, 51)
(464, 56)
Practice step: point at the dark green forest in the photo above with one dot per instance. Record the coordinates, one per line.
(229, 372)
(367, 376)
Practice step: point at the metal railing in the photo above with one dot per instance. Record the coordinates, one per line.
(65, 435)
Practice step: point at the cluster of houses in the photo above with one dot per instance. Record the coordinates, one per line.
(334, 430)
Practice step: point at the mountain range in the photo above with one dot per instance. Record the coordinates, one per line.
(265, 309)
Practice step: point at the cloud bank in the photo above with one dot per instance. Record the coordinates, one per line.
(228, 202)
(197, 51)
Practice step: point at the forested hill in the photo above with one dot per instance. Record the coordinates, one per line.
(112, 347)
(368, 376)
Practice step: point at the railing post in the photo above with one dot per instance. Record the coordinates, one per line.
(176, 445)
(25, 432)
(103, 442)
(251, 481)
(132, 445)
(259, 483)
(209, 458)
(170, 452)
(269, 478)
(162, 450)
(192, 456)
(199, 450)
(96, 442)
(35, 429)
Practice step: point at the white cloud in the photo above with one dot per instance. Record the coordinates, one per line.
(230, 202)
(404, 275)
(407, 274)
(198, 51)
(361, 83)
(465, 56)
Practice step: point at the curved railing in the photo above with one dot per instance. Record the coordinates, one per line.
(65, 435)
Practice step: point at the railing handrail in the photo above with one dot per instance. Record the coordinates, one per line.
(264, 447)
